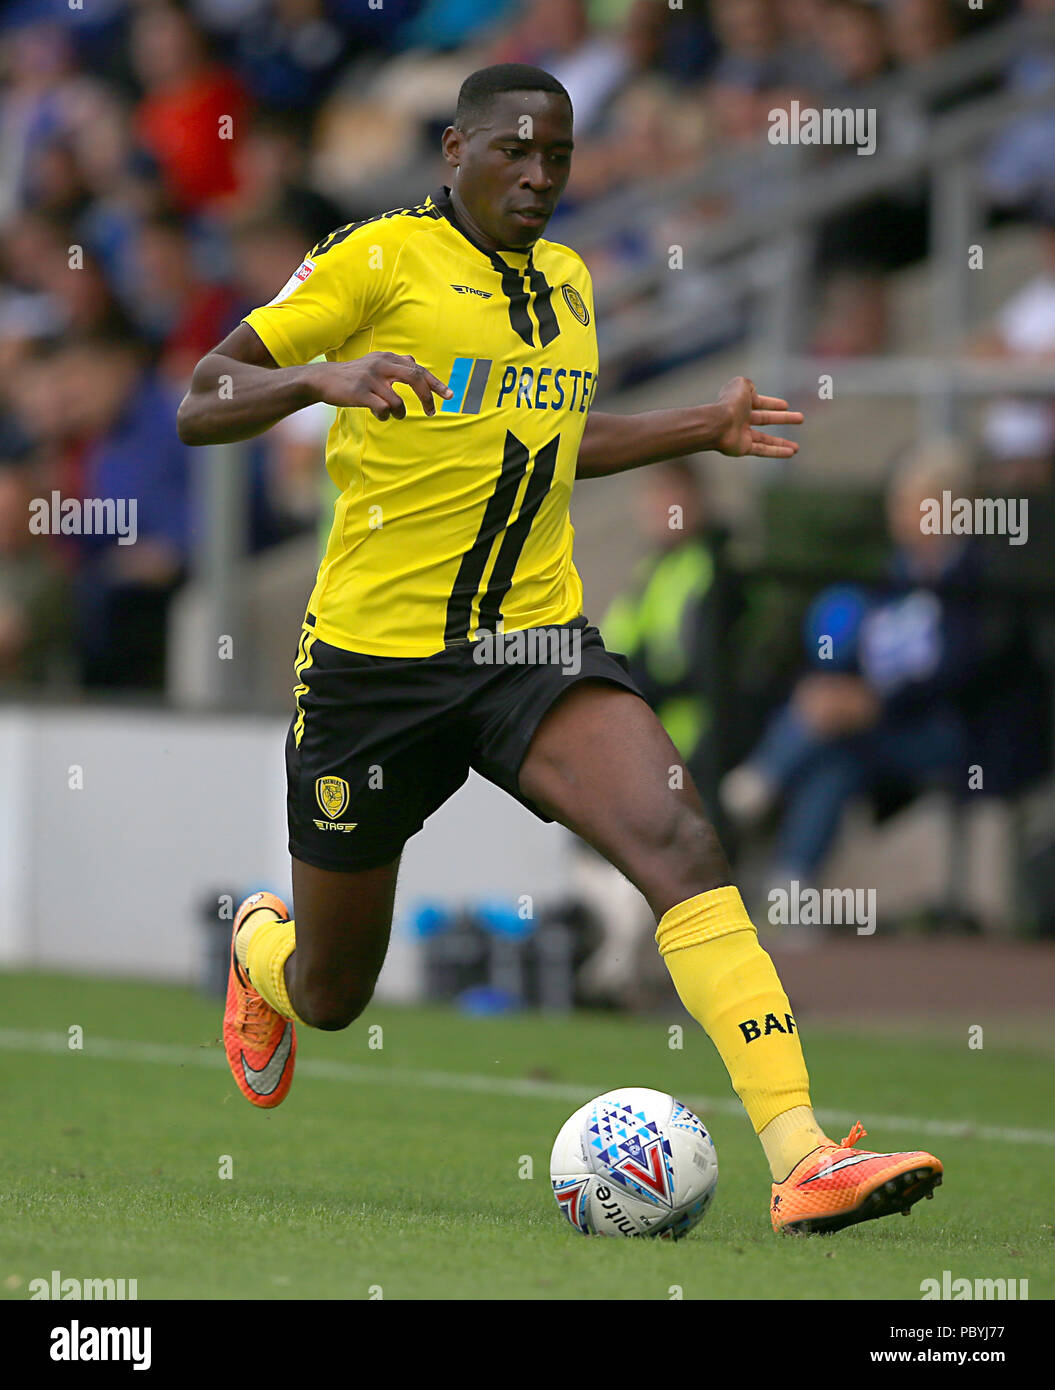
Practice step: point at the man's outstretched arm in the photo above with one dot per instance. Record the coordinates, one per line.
(614, 443)
(238, 390)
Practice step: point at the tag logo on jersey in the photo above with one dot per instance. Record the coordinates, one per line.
(469, 289)
(297, 278)
(575, 303)
(332, 795)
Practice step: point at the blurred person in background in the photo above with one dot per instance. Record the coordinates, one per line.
(290, 490)
(35, 102)
(34, 600)
(291, 53)
(54, 285)
(557, 35)
(859, 247)
(669, 621)
(1019, 434)
(271, 161)
(187, 100)
(124, 417)
(672, 624)
(915, 683)
(1019, 167)
(177, 310)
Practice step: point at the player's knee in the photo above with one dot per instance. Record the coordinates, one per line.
(330, 1008)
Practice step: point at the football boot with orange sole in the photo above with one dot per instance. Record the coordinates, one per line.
(261, 1045)
(838, 1185)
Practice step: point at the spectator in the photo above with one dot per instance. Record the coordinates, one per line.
(555, 35)
(273, 164)
(193, 109)
(33, 596)
(1019, 169)
(1019, 434)
(125, 417)
(291, 55)
(672, 621)
(897, 706)
(181, 314)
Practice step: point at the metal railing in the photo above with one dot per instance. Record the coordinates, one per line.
(764, 254)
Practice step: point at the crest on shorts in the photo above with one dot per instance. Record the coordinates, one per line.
(575, 303)
(332, 795)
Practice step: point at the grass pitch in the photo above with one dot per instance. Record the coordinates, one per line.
(401, 1171)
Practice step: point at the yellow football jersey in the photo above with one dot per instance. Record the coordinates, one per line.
(457, 523)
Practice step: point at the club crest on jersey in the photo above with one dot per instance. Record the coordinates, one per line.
(332, 795)
(574, 301)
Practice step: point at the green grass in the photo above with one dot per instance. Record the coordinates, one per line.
(391, 1171)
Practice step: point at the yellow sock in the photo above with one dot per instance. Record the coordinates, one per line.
(729, 985)
(789, 1138)
(256, 918)
(268, 945)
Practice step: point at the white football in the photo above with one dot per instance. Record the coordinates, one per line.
(634, 1162)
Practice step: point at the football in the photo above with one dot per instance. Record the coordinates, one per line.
(634, 1162)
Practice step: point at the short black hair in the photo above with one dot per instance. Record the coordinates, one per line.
(480, 87)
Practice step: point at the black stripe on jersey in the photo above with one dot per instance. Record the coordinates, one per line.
(548, 327)
(516, 535)
(342, 233)
(514, 291)
(496, 516)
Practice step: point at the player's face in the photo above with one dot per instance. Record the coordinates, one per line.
(511, 167)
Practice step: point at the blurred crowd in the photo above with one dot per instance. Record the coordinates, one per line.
(164, 166)
(792, 698)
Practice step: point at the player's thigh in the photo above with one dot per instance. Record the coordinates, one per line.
(602, 764)
(343, 924)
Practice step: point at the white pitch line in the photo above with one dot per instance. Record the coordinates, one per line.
(172, 1054)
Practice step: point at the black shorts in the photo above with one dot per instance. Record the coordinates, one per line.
(378, 743)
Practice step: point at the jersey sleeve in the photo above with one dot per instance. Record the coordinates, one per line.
(336, 291)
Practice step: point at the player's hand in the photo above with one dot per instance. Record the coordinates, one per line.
(748, 410)
(367, 382)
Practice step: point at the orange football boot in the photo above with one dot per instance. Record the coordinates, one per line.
(837, 1185)
(261, 1045)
